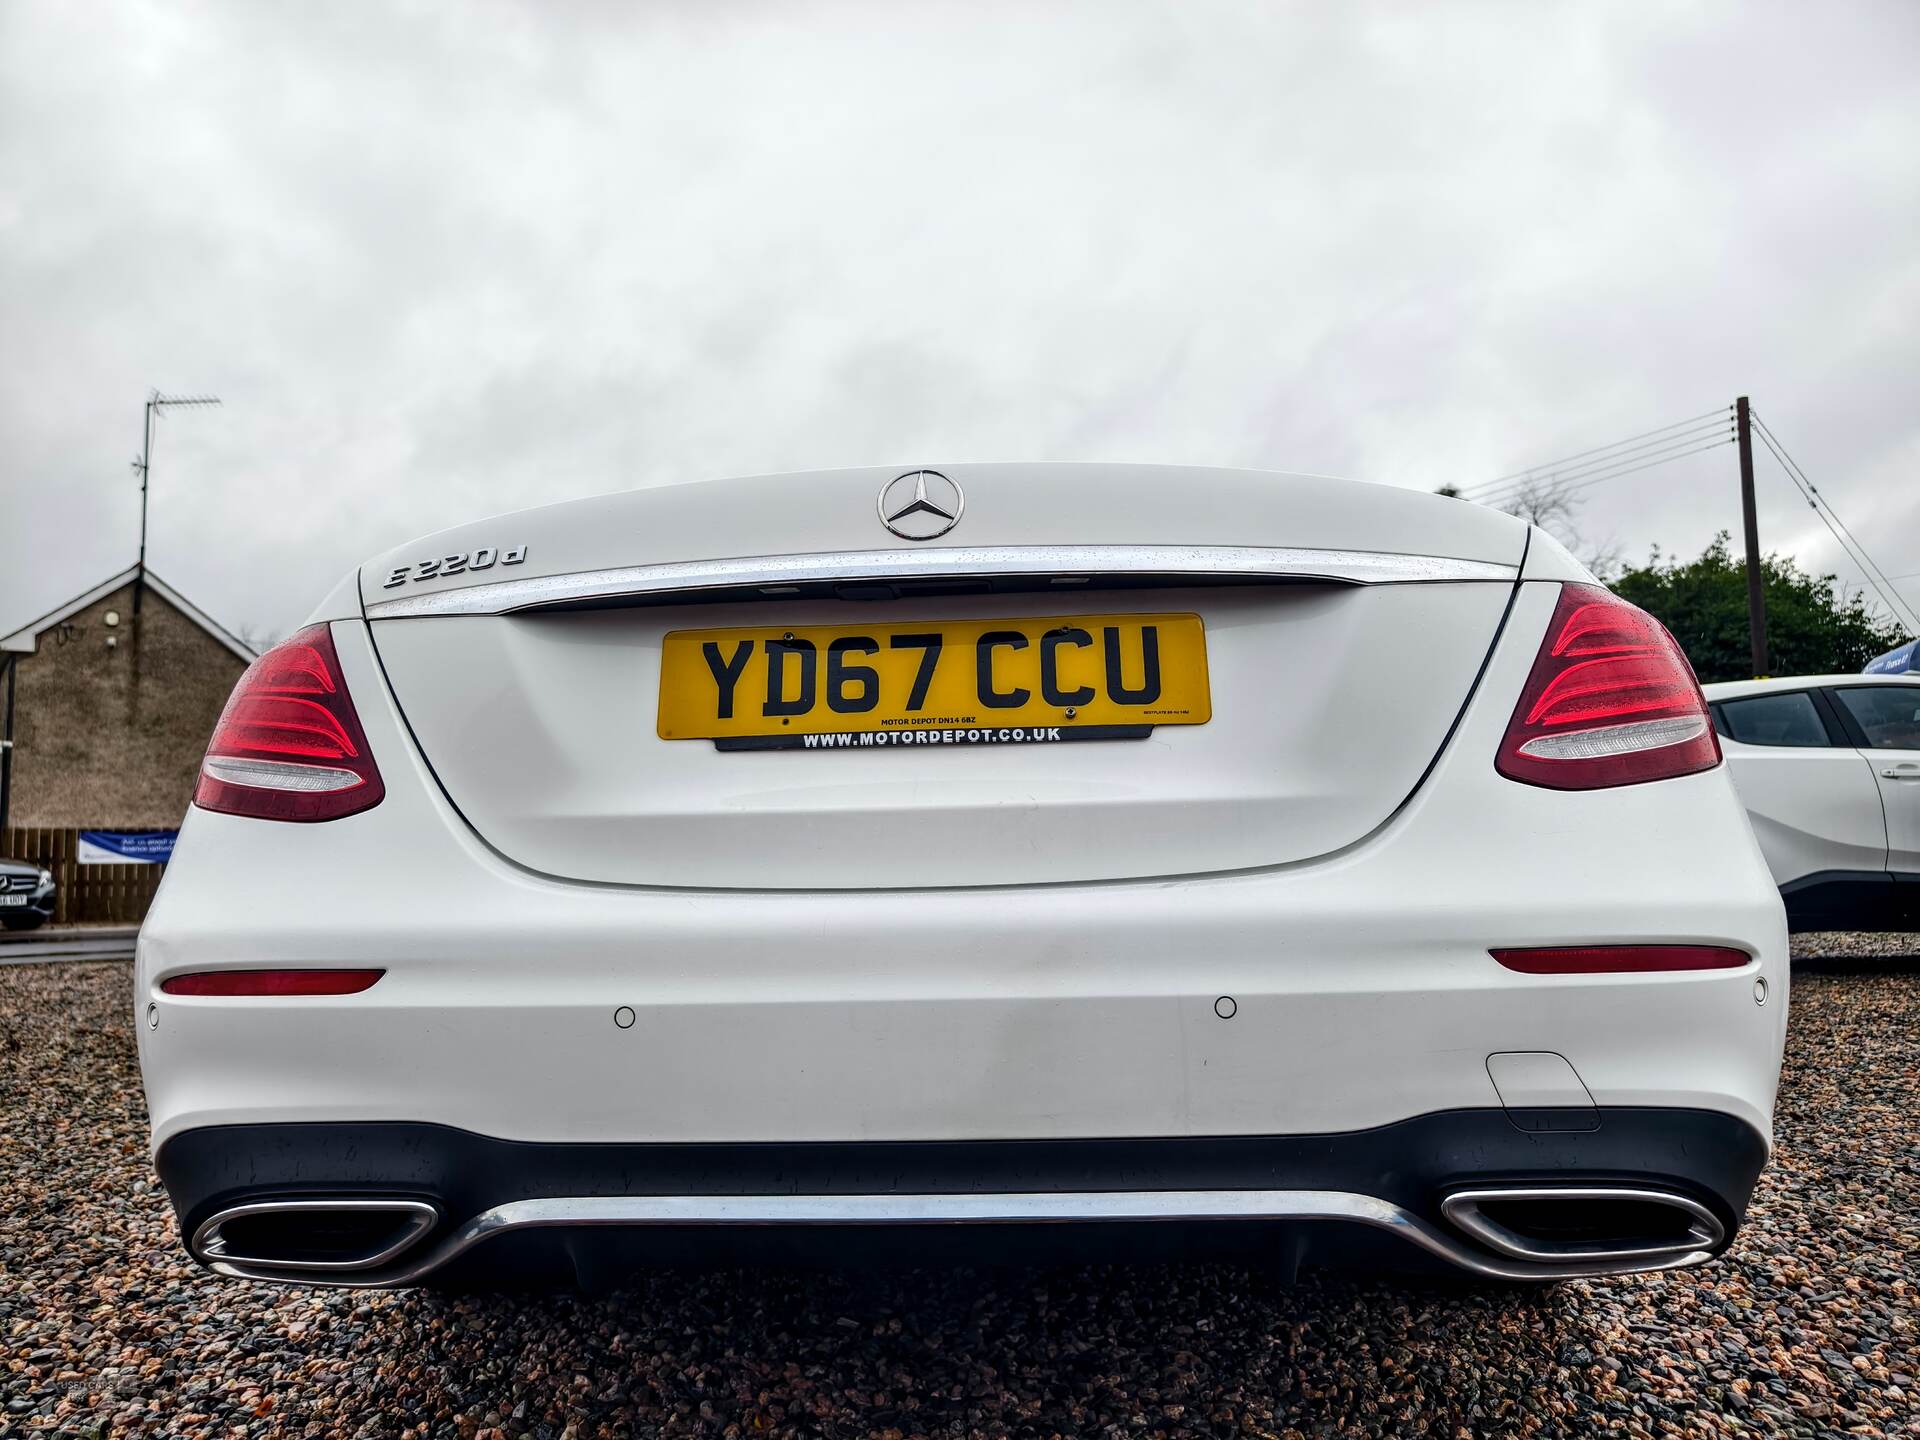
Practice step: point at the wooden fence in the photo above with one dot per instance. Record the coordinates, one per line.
(116, 894)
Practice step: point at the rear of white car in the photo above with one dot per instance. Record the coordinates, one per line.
(1149, 851)
(1828, 767)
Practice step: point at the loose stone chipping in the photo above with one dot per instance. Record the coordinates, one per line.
(1811, 1326)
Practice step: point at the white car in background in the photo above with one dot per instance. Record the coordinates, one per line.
(1828, 767)
(1026, 853)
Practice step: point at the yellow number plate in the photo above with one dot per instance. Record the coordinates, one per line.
(1076, 677)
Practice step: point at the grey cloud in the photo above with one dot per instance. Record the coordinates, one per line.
(443, 264)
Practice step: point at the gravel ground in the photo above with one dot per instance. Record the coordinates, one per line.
(1809, 1327)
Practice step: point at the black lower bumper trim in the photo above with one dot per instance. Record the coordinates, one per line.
(1711, 1157)
(1853, 900)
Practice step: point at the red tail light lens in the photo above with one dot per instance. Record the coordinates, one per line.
(271, 982)
(1611, 701)
(288, 745)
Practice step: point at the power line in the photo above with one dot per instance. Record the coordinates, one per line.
(1886, 595)
(1813, 492)
(1652, 448)
(1533, 470)
(1869, 566)
(1549, 474)
(1581, 455)
(1553, 475)
(1646, 463)
(1627, 465)
(1848, 542)
(1567, 482)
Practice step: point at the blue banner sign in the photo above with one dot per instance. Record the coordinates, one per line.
(1902, 661)
(126, 847)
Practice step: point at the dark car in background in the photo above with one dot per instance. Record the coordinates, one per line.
(26, 895)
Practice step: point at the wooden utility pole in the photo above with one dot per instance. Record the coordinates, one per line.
(1756, 587)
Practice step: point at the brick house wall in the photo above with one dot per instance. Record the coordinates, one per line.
(110, 736)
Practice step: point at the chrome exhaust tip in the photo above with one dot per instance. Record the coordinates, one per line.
(311, 1236)
(1585, 1224)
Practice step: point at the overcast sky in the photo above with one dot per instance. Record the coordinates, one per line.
(442, 261)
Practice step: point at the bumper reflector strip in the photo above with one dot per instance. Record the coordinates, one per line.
(271, 982)
(1615, 959)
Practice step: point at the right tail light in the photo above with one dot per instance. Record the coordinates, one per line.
(1611, 700)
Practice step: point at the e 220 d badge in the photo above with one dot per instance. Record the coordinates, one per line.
(442, 566)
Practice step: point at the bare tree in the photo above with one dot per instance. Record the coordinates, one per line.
(1556, 510)
(1541, 502)
(256, 638)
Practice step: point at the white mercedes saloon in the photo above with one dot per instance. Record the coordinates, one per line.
(1003, 858)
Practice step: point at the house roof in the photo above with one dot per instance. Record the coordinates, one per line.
(26, 639)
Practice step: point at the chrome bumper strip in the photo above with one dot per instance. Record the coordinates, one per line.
(1047, 1207)
(776, 576)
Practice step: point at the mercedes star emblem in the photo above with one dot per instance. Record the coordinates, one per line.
(921, 505)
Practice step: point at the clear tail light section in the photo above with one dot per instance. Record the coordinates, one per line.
(289, 745)
(1611, 700)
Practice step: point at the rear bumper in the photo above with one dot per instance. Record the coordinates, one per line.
(1218, 1008)
(561, 1213)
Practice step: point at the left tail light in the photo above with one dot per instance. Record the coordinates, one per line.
(289, 745)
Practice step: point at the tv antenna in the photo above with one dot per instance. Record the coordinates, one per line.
(155, 401)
